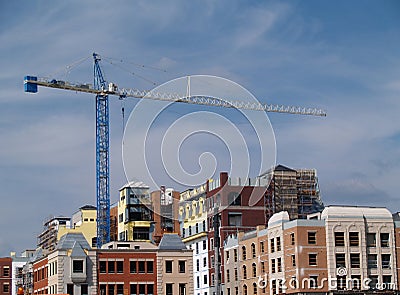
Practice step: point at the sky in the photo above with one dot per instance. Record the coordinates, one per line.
(340, 56)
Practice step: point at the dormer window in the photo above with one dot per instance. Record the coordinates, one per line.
(77, 266)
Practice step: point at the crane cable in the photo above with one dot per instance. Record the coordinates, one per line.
(129, 71)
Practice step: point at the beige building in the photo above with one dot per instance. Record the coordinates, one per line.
(174, 266)
(341, 250)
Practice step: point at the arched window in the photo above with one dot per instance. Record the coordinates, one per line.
(254, 268)
(244, 256)
(244, 272)
(253, 250)
(255, 288)
(244, 289)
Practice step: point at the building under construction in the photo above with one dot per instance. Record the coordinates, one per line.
(294, 191)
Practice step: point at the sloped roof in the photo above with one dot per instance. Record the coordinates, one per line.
(88, 207)
(68, 241)
(171, 242)
(77, 251)
(135, 184)
(283, 168)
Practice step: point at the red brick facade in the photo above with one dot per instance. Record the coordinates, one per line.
(127, 272)
(40, 276)
(5, 276)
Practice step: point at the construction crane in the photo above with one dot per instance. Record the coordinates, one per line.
(101, 89)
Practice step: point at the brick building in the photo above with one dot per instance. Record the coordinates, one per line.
(343, 250)
(5, 276)
(127, 268)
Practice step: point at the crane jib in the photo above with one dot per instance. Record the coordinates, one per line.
(31, 85)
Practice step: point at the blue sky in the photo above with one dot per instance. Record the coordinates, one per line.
(341, 56)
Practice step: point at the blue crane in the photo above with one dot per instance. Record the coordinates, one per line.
(102, 91)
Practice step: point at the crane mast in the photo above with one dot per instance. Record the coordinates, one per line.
(102, 91)
(102, 156)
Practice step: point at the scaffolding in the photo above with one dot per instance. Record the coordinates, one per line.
(294, 191)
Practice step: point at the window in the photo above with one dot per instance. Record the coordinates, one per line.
(150, 289)
(273, 265)
(111, 266)
(313, 282)
(133, 289)
(372, 261)
(244, 253)
(211, 243)
(168, 289)
(262, 267)
(279, 264)
(182, 289)
(384, 240)
(356, 281)
(198, 282)
(312, 238)
(244, 272)
(197, 228)
(120, 289)
(355, 260)
(132, 266)
(273, 285)
(341, 282)
(227, 255)
(385, 260)
(292, 241)
(278, 243)
(141, 266)
(339, 239)
(70, 289)
(205, 279)
(253, 250)
(77, 266)
(387, 281)
(204, 245)
(272, 243)
(373, 284)
(181, 266)
(340, 260)
(312, 259)
(197, 248)
(235, 255)
(234, 219)
(254, 288)
(168, 267)
(198, 265)
(262, 247)
(371, 239)
(6, 271)
(353, 239)
(120, 266)
(149, 266)
(111, 289)
(234, 199)
(103, 266)
(293, 260)
(244, 289)
(227, 276)
(6, 288)
(236, 274)
(121, 217)
(102, 290)
(254, 269)
(205, 262)
(84, 289)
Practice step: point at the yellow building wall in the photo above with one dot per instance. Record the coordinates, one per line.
(87, 228)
